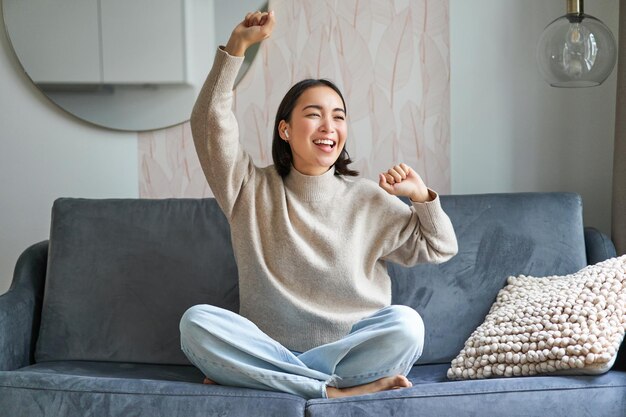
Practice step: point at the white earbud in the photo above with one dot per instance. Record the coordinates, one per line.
(286, 134)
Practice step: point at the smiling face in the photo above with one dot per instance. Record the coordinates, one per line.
(317, 130)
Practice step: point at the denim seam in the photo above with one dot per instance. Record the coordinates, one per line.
(381, 372)
(295, 378)
(299, 377)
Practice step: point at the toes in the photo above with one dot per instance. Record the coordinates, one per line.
(394, 382)
(403, 382)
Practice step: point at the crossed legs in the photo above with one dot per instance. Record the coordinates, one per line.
(376, 355)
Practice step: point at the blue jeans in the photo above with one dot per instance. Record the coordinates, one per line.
(230, 350)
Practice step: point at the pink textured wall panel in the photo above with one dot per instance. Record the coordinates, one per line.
(391, 61)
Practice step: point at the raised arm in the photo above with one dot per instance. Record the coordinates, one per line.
(215, 131)
(427, 234)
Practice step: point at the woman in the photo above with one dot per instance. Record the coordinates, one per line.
(310, 244)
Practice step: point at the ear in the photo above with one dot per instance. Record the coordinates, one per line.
(282, 127)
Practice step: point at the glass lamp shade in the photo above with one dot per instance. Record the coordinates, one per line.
(576, 50)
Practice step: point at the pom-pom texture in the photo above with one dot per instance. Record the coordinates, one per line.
(572, 324)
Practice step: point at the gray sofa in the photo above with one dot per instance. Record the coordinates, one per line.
(89, 326)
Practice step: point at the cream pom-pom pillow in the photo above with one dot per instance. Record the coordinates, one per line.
(572, 324)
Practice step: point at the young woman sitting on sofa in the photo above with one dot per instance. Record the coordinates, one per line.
(310, 242)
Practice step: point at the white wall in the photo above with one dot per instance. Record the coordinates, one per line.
(511, 131)
(47, 154)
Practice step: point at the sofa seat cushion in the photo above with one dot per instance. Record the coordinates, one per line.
(130, 371)
(433, 395)
(118, 389)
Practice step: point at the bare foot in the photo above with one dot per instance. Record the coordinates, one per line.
(208, 382)
(383, 384)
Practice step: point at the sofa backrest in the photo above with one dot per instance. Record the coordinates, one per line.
(122, 272)
(499, 235)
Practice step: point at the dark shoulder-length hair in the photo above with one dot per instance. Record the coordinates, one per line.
(281, 151)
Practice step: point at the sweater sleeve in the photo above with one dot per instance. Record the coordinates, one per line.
(227, 167)
(426, 236)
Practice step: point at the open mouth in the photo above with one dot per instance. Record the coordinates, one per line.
(325, 144)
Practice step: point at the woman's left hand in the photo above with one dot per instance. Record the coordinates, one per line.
(402, 180)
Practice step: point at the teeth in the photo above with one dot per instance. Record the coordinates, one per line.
(323, 142)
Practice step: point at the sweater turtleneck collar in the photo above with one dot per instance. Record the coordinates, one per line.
(312, 187)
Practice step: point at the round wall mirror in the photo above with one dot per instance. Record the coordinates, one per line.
(126, 65)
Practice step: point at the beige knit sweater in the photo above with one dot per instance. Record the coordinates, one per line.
(310, 250)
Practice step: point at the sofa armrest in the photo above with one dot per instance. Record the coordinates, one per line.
(20, 309)
(598, 246)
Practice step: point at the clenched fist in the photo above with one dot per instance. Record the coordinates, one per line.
(254, 28)
(401, 180)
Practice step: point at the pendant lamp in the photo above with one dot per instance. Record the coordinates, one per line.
(576, 50)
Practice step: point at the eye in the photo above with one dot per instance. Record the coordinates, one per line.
(339, 117)
(313, 114)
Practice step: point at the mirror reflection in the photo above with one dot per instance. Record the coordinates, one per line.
(124, 65)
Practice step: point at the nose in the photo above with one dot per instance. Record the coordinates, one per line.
(326, 124)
